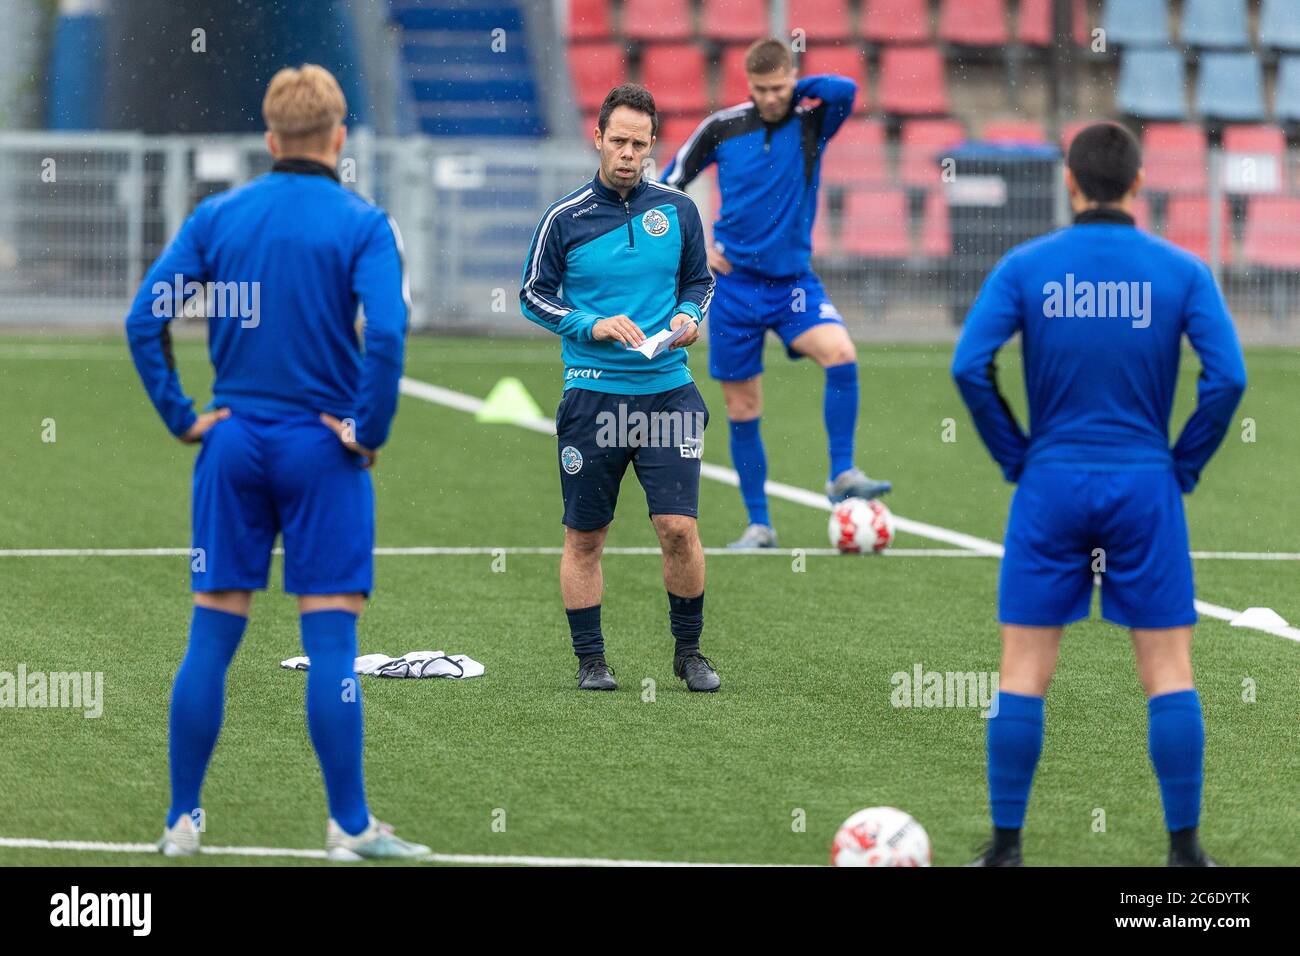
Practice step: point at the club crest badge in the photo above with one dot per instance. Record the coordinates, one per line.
(654, 222)
(571, 460)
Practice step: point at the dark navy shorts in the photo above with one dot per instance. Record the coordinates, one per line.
(599, 434)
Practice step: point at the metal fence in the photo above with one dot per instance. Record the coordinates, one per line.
(900, 245)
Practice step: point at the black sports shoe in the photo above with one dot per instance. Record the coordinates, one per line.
(594, 674)
(1009, 856)
(697, 670)
(1180, 858)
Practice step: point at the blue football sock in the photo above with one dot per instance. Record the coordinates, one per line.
(840, 410)
(198, 702)
(750, 460)
(1176, 737)
(334, 713)
(1015, 741)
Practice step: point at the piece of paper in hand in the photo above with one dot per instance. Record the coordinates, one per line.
(657, 343)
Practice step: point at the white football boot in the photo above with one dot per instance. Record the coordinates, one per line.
(181, 839)
(375, 842)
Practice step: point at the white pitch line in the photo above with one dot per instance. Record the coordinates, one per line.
(468, 403)
(94, 846)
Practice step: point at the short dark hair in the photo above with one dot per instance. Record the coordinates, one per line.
(1105, 159)
(633, 96)
(767, 56)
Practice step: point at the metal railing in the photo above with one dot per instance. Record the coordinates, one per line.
(83, 215)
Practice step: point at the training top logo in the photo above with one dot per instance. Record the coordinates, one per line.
(655, 222)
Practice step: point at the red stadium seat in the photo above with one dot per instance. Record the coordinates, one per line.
(1034, 28)
(896, 21)
(1142, 213)
(857, 154)
(936, 235)
(876, 224)
(734, 20)
(1272, 237)
(974, 22)
(1175, 157)
(673, 132)
(820, 19)
(589, 20)
(733, 87)
(1255, 158)
(841, 60)
(675, 74)
(1187, 224)
(912, 81)
(921, 144)
(657, 20)
(1014, 131)
(597, 69)
(822, 242)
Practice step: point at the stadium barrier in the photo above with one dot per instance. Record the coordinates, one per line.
(83, 215)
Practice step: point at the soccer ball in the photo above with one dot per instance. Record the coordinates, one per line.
(859, 526)
(880, 836)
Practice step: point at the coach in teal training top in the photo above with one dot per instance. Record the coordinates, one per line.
(616, 262)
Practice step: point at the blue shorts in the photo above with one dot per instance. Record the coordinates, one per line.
(746, 305)
(599, 434)
(256, 477)
(1060, 516)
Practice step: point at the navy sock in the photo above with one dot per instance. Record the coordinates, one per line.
(750, 460)
(1176, 737)
(584, 628)
(686, 620)
(198, 702)
(840, 411)
(334, 718)
(1015, 740)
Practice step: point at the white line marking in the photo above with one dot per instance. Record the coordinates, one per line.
(93, 846)
(445, 396)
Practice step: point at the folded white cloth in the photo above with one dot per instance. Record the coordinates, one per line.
(410, 664)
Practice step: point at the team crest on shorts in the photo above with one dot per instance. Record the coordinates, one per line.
(655, 222)
(571, 460)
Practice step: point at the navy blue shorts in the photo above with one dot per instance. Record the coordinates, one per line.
(745, 306)
(1128, 525)
(258, 477)
(600, 434)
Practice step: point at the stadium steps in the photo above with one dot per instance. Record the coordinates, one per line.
(460, 86)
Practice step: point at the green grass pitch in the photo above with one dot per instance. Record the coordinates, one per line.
(803, 727)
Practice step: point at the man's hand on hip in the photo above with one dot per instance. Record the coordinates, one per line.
(203, 423)
(618, 328)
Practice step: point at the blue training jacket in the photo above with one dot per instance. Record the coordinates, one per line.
(768, 174)
(595, 255)
(289, 255)
(1101, 308)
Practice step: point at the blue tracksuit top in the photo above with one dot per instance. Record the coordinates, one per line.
(1101, 308)
(595, 255)
(290, 255)
(768, 174)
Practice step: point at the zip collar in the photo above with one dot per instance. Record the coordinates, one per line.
(602, 191)
(305, 167)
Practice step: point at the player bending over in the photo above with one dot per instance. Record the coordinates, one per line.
(296, 417)
(1101, 309)
(629, 254)
(768, 152)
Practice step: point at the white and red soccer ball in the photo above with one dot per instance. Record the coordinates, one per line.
(859, 526)
(881, 836)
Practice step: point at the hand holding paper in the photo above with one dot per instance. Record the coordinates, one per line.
(665, 339)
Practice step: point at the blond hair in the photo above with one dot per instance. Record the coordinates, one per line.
(303, 106)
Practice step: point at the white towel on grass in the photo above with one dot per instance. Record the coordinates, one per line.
(410, 664)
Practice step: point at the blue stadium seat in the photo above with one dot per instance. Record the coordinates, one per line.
(1279, 25)
(1151, 84)
(1215, 24)
(1136, 22)
(1287, 105)
(1230, 87)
